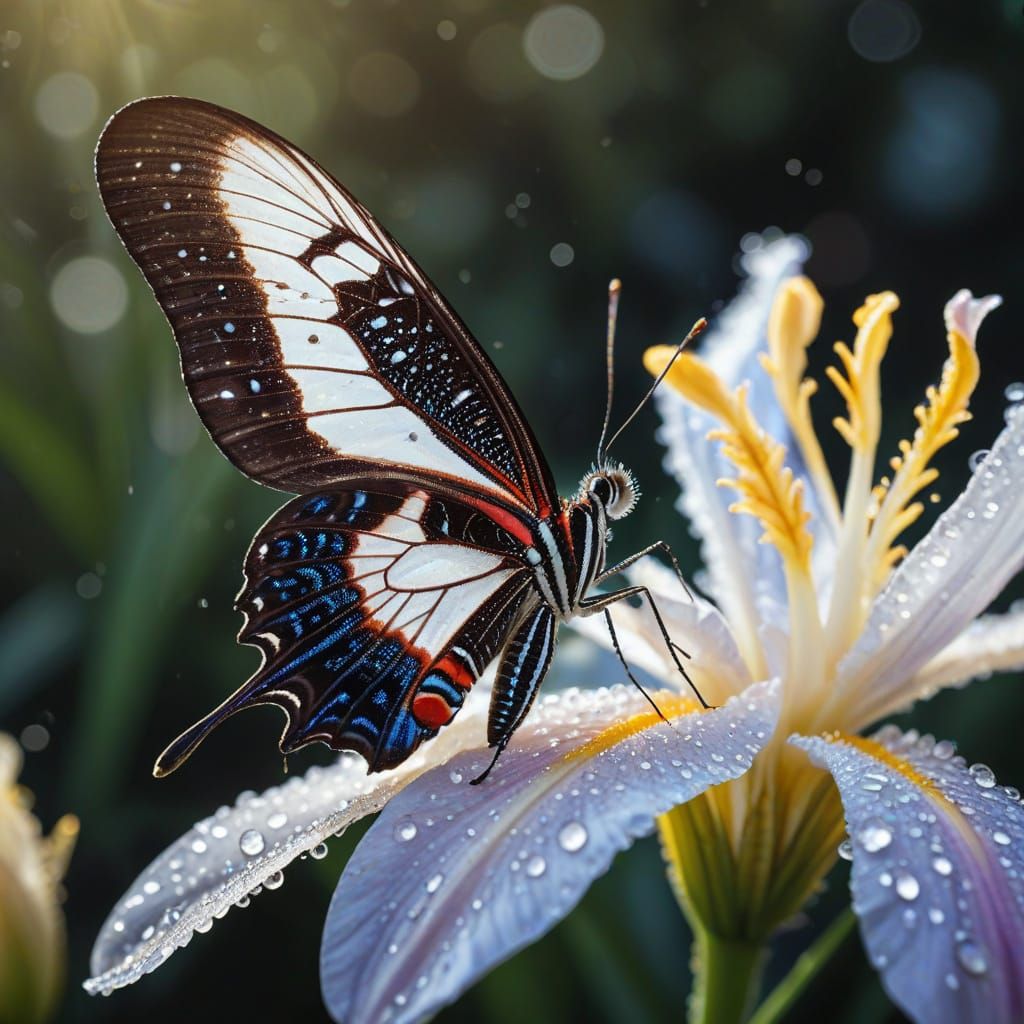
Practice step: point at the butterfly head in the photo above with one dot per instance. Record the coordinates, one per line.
(613, 486)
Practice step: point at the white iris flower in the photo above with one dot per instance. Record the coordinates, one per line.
(821, 624)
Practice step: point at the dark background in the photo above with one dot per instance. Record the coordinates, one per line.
(888, 131)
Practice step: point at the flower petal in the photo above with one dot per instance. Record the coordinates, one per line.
(224, 859)
(744, 574)
(949, 578)
(715, 664)
(993, 643)
(938, 874)
(964, 313)
(452, 878)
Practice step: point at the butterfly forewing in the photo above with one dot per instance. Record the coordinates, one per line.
(375, 613)
(313, 347)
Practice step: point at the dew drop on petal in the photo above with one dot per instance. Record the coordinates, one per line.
(942, 866)
(976, 459)
(936, 916)
(251, 842)
(455, 775)
(907, 886)
(874, 837)
(572, 837)
(319, 851)
(274, 881)
(198, 846)
(277, 820)
(536, 866)
(1015, 392)
(983, 775)
(405, 830)
(845, 850)
(972, 957)
(434, 883)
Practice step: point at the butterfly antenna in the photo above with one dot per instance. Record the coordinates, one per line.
(614, 288)
(695, 330)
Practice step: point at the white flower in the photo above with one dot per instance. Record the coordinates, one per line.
(820, 623)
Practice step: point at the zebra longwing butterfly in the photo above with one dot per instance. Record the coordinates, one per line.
(428, 539)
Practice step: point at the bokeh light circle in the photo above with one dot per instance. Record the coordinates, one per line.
(883, 30)
(89, 295)
(563, 42)
(384, 84)
(66, 104)
(562, 254)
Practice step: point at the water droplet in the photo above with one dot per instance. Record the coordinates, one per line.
(251, 842)
(219, 832)
(936, 916)
(976, 459)
(198, 846)
(274, 881)
(972, 957)
(1001, 838)
(572, 837)
(645, 766)
(1014, 392)
(874, 837)
(434, 883)
(319, 851)
(277, 820)
(846, 850)
(151, 888)
(907, 886)
(405, 830)
(204, 926)
(943, 865)
(536, 866)
(175, 166)
(983, 775)
(455, 775)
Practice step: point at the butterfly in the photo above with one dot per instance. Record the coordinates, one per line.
(428, 539)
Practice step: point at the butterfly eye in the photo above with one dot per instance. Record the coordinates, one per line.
(601, 488)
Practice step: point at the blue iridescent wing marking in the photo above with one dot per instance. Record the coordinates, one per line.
(375, 613)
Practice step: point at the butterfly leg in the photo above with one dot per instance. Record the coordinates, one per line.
(658, 545)
(601, 602)
(524, 663)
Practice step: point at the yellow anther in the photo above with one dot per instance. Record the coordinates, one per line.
(938, 422)
(792, 326)
(859, 382)
(767, 488)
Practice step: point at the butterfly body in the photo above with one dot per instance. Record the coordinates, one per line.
(429, 539)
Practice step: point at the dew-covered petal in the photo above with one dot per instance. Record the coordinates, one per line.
(948, 579)
(937, 876)
(993, 643)
(697, 626)
(452, 878)
(226, 858)
(743, 573)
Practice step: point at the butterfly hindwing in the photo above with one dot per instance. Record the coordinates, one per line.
(313, 347)
(375, 612)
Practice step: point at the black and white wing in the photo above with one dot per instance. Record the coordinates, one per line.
(313, 347)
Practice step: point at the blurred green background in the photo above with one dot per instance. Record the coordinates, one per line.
(524, 154)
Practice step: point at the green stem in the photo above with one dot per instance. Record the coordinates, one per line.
(803, 972)
(727, 974)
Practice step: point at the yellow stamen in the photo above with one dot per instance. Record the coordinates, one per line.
(672, 706)
(793, 325)
(766, 486)
(938, 422)
(860, 386)
(861, 389)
